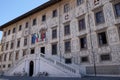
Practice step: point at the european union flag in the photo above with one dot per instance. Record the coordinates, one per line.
(33, 38)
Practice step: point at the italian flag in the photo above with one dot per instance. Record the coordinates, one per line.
(37, 37)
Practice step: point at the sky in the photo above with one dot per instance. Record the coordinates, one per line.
(10, 9)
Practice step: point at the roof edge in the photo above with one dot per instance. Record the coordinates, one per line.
(31, 12)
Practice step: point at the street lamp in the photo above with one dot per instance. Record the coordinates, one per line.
(90, 31)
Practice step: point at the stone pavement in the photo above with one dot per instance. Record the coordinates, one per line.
(58, 78)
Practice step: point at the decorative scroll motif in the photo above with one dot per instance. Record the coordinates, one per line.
(109, 16)
(80, 11)
(112, 36)
(13, 37)
(96, 2)
(26, 32)
(66, 17)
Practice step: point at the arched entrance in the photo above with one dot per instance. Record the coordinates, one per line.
(31, 68)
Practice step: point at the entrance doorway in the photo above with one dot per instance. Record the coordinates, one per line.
(31, 68)
(68, 60)
(43, 50)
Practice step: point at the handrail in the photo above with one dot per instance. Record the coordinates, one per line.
(65, 67)
(61, 61)
(53, 62)
(60, 64)
(16, 64)
(43, 56)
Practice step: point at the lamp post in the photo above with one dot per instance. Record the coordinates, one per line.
(59, 35)
(90, 31)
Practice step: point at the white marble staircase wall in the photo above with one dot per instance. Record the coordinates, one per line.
(79, 68)
(40, 65)
(17, 70)
(52, 70)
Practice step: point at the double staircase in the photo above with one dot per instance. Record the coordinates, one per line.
(71, 70)
(15, 65)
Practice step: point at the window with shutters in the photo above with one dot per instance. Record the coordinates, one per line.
(117, 9)
(32, 51)
(12, 45)
(34, 22)
(83, 43)
(14, 30)
(54, 13)
(105, 57)
(84, 59)
(17, 55)
(79, 2)
(44, 18)
(66, 8)
(24, 52)
(4, 33)
(102, 39)
(26, 25)
(10, 56)
(25, 41)
(5, 56)
(9, 65)
(2, 48)
(0, 58)
(54, 49)
(67, 29)
(81, 24)
(7, 44)
(18, 43)
(4, 66)
(54, 33)
(67, 46)
(8, 32)
(99, 16)
(20, 27)
(68, 60)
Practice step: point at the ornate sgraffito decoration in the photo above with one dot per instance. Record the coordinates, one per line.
(39, 36)
(66, 17)
(13, 36)
(96, 2)
(26, 32)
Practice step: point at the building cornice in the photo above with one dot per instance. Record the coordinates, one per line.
(35, 10)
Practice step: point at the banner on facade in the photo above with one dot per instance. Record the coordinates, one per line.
(39, 36)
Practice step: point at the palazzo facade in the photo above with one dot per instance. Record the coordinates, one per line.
(81, 36)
